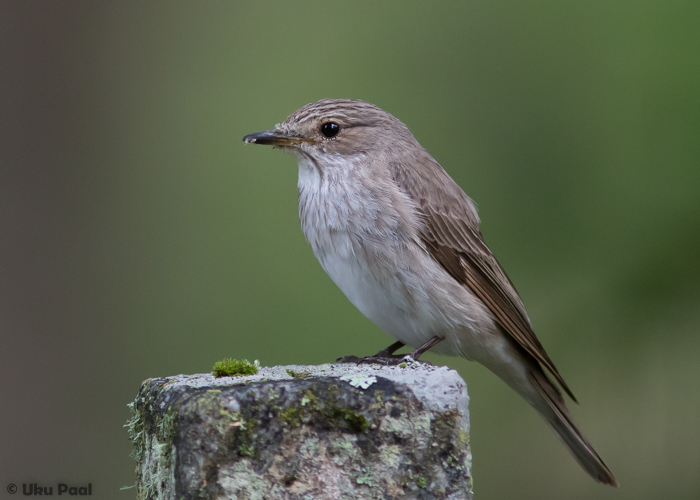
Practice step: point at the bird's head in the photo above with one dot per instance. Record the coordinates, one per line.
(336, 127)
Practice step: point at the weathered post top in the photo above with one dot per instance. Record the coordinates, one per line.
(292, 432)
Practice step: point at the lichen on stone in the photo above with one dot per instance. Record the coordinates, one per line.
(151, 432)
(360, 380)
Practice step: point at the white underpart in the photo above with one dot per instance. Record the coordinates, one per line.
(383, 270)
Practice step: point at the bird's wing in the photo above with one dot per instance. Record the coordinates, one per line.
(452, 236)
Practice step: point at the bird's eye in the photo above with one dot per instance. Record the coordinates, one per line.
(330, 129)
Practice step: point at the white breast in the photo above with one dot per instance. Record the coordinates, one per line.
(367, 252)
(333, 218)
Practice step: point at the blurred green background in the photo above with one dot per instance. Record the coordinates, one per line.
(139, 237)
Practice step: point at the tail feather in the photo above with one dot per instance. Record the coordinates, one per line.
(567, 430)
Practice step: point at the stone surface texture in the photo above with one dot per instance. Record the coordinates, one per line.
(337, 431)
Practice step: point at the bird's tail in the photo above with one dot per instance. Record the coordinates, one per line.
(557, 415)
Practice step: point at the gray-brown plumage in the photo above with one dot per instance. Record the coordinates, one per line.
(401, 239)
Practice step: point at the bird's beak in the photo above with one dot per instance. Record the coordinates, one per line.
(274, 138)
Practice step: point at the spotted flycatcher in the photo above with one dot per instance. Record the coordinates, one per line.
(402, 241)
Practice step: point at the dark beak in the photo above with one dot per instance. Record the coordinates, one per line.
(273, 138)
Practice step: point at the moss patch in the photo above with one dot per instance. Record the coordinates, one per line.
(230, 367)
(294, 374)
(328, 412)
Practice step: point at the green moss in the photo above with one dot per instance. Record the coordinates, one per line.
(297, 375)
(310, 399)
(248, 450)
(422, 482)
(378, 395)
(357, 421)
(235, 368)
(327, 412)
(166, 427)
(165, 434)
(243, 437)
(334, 413)
(292, 416)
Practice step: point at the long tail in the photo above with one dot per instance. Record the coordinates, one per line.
(560, 419)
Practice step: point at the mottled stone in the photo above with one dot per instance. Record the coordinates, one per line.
(304, 432)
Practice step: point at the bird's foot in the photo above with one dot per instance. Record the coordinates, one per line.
(387, 357)
(384, 360)
(384, 353)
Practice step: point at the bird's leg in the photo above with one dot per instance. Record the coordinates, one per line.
(388, 358)
(389, 351)
(428, 345)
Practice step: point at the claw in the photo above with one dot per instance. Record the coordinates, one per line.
(387, 357)
(388, 360)
(383, 360)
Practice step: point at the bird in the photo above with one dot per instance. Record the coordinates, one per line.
(402, 241)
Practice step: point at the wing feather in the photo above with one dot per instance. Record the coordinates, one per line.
(452, 236)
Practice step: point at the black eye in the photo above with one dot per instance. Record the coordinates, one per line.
(330, 129)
